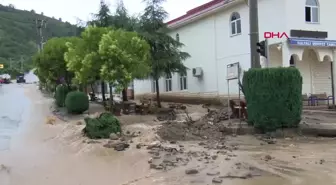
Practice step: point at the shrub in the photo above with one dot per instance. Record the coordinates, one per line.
(60, 95)
(61, 92)
(76, 102)
(273, 97)
(101, 127)
(73, 87)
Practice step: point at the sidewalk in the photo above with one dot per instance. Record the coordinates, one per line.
(330, 112)
(307, 129)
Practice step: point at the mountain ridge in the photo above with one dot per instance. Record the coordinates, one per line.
(18, 33)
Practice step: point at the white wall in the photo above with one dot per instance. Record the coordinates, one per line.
(211, 47)
(271, 18)
(295, 17)
(199, 40)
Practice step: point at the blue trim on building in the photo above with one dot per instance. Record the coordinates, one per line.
(311, 42)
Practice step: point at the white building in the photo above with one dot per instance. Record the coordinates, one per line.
(217, 34)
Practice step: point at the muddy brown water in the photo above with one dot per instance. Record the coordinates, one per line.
(33, 153)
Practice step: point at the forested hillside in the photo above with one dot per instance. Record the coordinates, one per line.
(18, 35)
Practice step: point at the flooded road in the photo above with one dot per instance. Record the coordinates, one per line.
(13, 110)
(34, 153)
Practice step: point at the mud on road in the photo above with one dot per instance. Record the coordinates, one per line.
(58, 153)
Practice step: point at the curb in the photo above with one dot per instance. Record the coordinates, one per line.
(323, 112)
(307, 129)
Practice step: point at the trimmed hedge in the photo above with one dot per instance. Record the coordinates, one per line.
(101, 127)
(60, 95)
(274, 97)
(77, 102)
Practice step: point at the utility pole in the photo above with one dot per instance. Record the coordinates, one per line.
(21, 62)
(40, 25)
(254, 33)
(267, 53)
(10, 63)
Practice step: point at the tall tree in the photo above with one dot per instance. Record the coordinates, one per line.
(50, 63)
(122, 20)
(166, 56)
(102, 19)
(126, 56)
(82, 56)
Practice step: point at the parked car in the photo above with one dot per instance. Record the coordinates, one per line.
(7, 81)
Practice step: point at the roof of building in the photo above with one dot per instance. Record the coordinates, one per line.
(200, 10)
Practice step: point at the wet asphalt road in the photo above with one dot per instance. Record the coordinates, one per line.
(13, 110)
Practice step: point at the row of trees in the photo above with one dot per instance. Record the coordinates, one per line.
(114, 48)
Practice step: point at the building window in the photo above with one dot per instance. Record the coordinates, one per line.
(177, 37)
(183, 82)
(312, 11)
(153, 86)
(235, 24)
(168, 83)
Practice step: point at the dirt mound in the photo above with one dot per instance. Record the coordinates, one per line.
(210, 126)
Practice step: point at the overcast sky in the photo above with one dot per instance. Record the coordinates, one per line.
(70, 10)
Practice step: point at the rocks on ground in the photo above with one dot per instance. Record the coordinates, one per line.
(117, 145)
(199, 161)
(212, 126)
(120, 142)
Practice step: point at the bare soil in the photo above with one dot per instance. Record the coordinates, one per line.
(197, 148)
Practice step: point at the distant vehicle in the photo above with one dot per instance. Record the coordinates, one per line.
(6, 81)
(20, 79)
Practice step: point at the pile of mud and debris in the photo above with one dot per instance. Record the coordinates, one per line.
(214, 160)
(214, 125)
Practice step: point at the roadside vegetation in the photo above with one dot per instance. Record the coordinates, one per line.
(116, 48)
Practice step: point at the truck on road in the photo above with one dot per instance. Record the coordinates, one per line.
(20, 78)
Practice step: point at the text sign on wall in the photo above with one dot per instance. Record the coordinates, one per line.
(279, 35)
(232, 71)
(312, 42)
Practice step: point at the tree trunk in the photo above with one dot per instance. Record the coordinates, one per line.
(81, 87)
(67, 79)
(124, 95)
(85, 88)
(92, 89)
(103, 92)
(157, 93)
(111, 98)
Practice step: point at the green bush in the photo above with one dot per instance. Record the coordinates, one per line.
(76, 102)
(274, 97)
(60, 95)
(73, 87)
(61, 92)
(101, 127)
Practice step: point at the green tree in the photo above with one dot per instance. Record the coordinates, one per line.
(166, 56)
(102, 19)
(10, 67)
(126, 56)
(82, 56)
(50, 62)
(122, 20)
